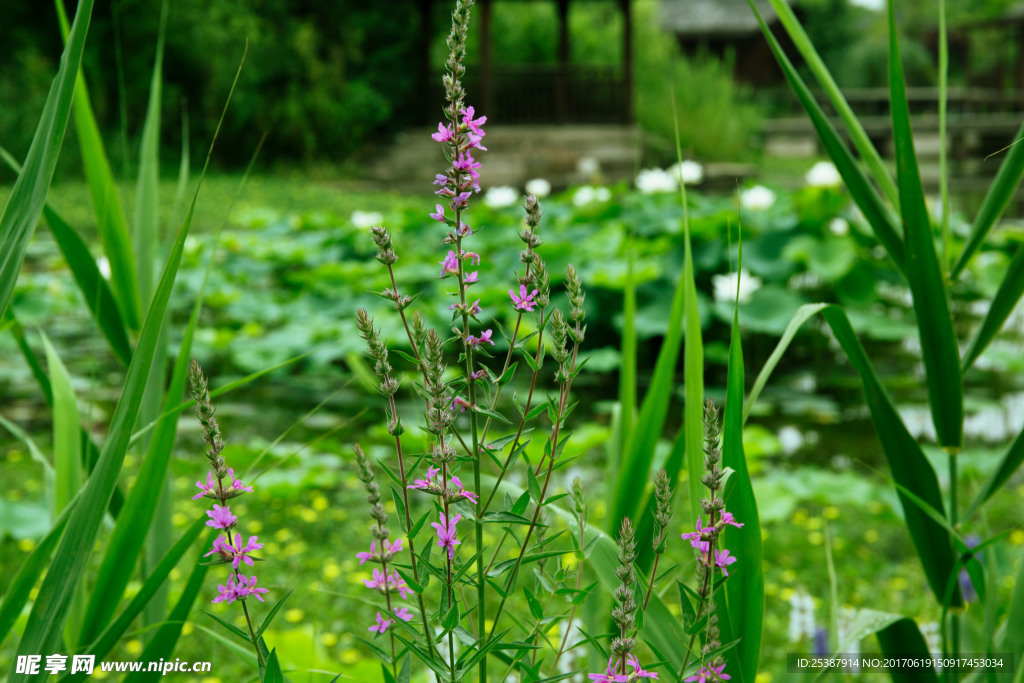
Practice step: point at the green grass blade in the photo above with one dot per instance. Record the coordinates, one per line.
(25, 203)
(802, 315)
(20, 587)
(67, 464)
(636, 460)
(998, 197)
(1009, 464)
(627, 369)
(1005, 300)
(931, 299)
(126, 541)
(42, 633)
(858, 136)
(904, 639)
(865, 196)
(947, 239)
(1013, 635)
(165, 638)
(109, 214)
(87, 276)
(146, 229)
(744, 592)
(907, 462)
(113, 632)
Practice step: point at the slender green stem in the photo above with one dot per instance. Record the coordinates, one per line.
(954, 614)
(252, 635)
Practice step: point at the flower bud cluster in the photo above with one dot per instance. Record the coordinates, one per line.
(624, 614)
(662, 510)
(377, 351)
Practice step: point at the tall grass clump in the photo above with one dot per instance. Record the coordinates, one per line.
(930, 260)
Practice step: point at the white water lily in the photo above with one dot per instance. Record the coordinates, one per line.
(725, 286)
(501, 196)
(586, 194)
(757, 198)
(823, 174)
(366, 219)
(838, 226)
(655, 180)
(588, 166)
(689, 171)
(538, 187)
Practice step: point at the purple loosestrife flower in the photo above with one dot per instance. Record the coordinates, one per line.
(485, 337)
(471, 278)
(462, 492)
(427, 483)
(220, 546)
(250, 588)
(241, 555)
(609, 676)
(221, 517)
(237, 485)
(476, 126)
(403, 613)
(390, 550)
(723, 560)
(460, 403)
(208, 489)
(450, 265)
(709, 674)
(727, 518)
(638, 671)
(696, 538)
(444, 133)
(228, 593)
(438, 214)
(473, 257)
(386, 584)
(523, 302)
(446, 533)
(382, 624)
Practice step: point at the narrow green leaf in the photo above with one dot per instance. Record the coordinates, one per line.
(273, 673)
(109, 215)
(229, 627)
(146, 229)
(1000, 194)
(25, 202)
(32, 568)
(1013, 636)
(67, 465)
(858, 136)
(1007, 466)
(745, 593)
(921, 265)
(115, 630)
(1005, 300)
(904, 639)
(870, 203)
(87, 276)
(627, 367)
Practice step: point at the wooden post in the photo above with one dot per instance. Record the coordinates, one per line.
(627, 58)
(562, 78)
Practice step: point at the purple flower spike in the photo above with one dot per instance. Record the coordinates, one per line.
(254, 591)
(463, 493)
(221, 517)
(609, 676)
(446, 534)
(228, 593)
(638, 671)
(523, 302)
(403, 613)
(476, 126)
(709, 673)
(382, 624)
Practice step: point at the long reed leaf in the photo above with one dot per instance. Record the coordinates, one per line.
(18, 590)
(931, 298)
(1005, 300)
(67, 464)
(904, 639)
(854, 129)
(1000, 194)
(627, 368)
(1007, 466)
(109, 215)
(87, 276)
(25, 203)
(1012, 639)
(866, 197)
(745, 592)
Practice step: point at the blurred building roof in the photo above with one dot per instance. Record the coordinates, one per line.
(717, 18)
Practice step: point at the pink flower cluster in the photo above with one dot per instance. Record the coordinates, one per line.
(227, 550)
(609, 676)
(463, 178)
(433, 484)
(386, 581)
(701, 540)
